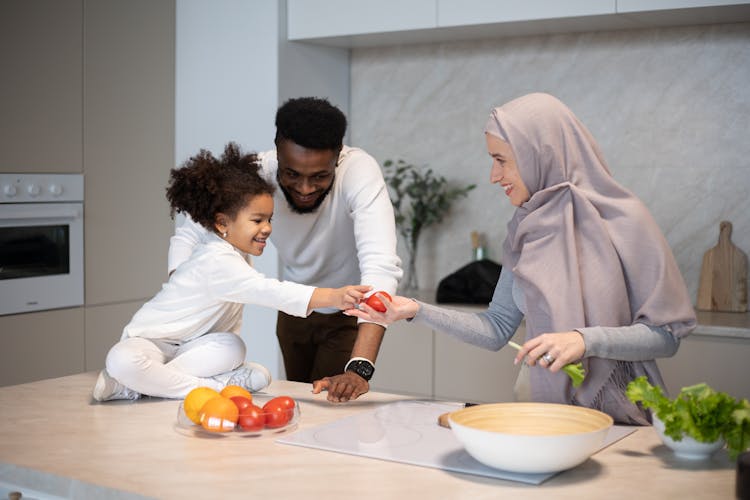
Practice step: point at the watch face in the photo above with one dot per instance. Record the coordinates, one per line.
(362, 368)
(365, 368)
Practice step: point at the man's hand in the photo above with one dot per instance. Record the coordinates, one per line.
(342, 388)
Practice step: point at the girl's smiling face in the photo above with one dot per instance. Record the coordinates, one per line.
(504, 170)
(250, 229)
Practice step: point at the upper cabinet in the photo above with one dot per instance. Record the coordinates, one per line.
(362, 23)
(41, 103)
(468, 12)
(334, 18)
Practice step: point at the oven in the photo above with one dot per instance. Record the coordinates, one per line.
(41, 242)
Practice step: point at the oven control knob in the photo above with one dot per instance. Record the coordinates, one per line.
(10, 190)
(55, 189)
(33, 190)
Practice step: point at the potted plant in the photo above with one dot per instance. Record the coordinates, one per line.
(698, 421)
(420, 199)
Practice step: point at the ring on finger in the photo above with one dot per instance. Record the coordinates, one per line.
(548, 358)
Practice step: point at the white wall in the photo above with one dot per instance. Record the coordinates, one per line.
(233, 69)
(670, 108)
(227, 90)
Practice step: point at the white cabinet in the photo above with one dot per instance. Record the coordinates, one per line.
(405, 362)
(650, 5)
(331, 18)
(466, 12)
(683, 12)
(721, 362)
(464, 372)
(361, 23)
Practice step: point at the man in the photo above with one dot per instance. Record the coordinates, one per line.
(333, 226)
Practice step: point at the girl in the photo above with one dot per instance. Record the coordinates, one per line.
(584, 262)
(188, 334)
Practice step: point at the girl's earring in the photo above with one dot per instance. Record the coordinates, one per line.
(224, 234)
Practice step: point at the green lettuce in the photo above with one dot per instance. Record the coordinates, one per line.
(698, 411)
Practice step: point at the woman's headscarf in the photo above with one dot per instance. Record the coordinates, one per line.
(585, 252)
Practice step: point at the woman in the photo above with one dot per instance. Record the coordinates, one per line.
(584, 262)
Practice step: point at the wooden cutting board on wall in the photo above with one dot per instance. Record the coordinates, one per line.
(723, 281)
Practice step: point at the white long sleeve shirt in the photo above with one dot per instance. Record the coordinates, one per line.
(350, 239)
(206, 294)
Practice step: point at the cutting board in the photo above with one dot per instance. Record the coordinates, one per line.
(723, 281)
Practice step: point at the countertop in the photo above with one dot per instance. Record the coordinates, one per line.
(710, 323)
(53, 435)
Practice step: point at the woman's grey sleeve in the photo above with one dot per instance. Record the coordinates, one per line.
(636, 342)
(489, 330)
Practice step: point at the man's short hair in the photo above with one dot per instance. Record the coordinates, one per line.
(311, 122)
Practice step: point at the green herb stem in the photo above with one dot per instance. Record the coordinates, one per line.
(575, 371)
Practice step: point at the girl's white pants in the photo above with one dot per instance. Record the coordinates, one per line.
(170, 369)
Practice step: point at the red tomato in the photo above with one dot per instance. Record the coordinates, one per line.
(375, 302)
(252, 418)
(279, 411)
(241, 402)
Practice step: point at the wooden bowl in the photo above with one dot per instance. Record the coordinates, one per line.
(530, 437)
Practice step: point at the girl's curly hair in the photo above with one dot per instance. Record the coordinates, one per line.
(205, 185)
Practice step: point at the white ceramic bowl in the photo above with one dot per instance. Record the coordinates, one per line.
(687, 447)
(530, 437)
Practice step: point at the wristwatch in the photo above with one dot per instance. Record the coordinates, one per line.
(361, 366)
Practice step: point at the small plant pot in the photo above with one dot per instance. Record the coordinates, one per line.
(687, 448)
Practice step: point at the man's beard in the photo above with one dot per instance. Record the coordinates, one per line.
(303, 210)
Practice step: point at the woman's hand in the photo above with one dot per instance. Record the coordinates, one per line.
(396, 309)
(563, 347)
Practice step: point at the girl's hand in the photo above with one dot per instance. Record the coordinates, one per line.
(396, 309)
(343, 298)
(563, 347)
(347, 297)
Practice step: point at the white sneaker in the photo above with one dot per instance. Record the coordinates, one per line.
(107, 389)
(252, 376)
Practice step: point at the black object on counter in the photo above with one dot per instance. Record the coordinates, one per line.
(472, 284)
(743, 476)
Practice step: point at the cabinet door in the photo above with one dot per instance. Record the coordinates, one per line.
(104, 326)
(467, 12)
(329, 18)
(128, 147)
(405, 363)
(41, 56)
(41, 345)
(721, 362)
(650, 5)
(467, 373)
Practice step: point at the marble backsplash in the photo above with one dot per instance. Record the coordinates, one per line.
(670, 108)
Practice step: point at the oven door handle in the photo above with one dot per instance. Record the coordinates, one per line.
(56, 213)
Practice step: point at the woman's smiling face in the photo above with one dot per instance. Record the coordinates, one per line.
(505, 172)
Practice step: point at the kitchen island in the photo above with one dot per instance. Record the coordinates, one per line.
(54, 438)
